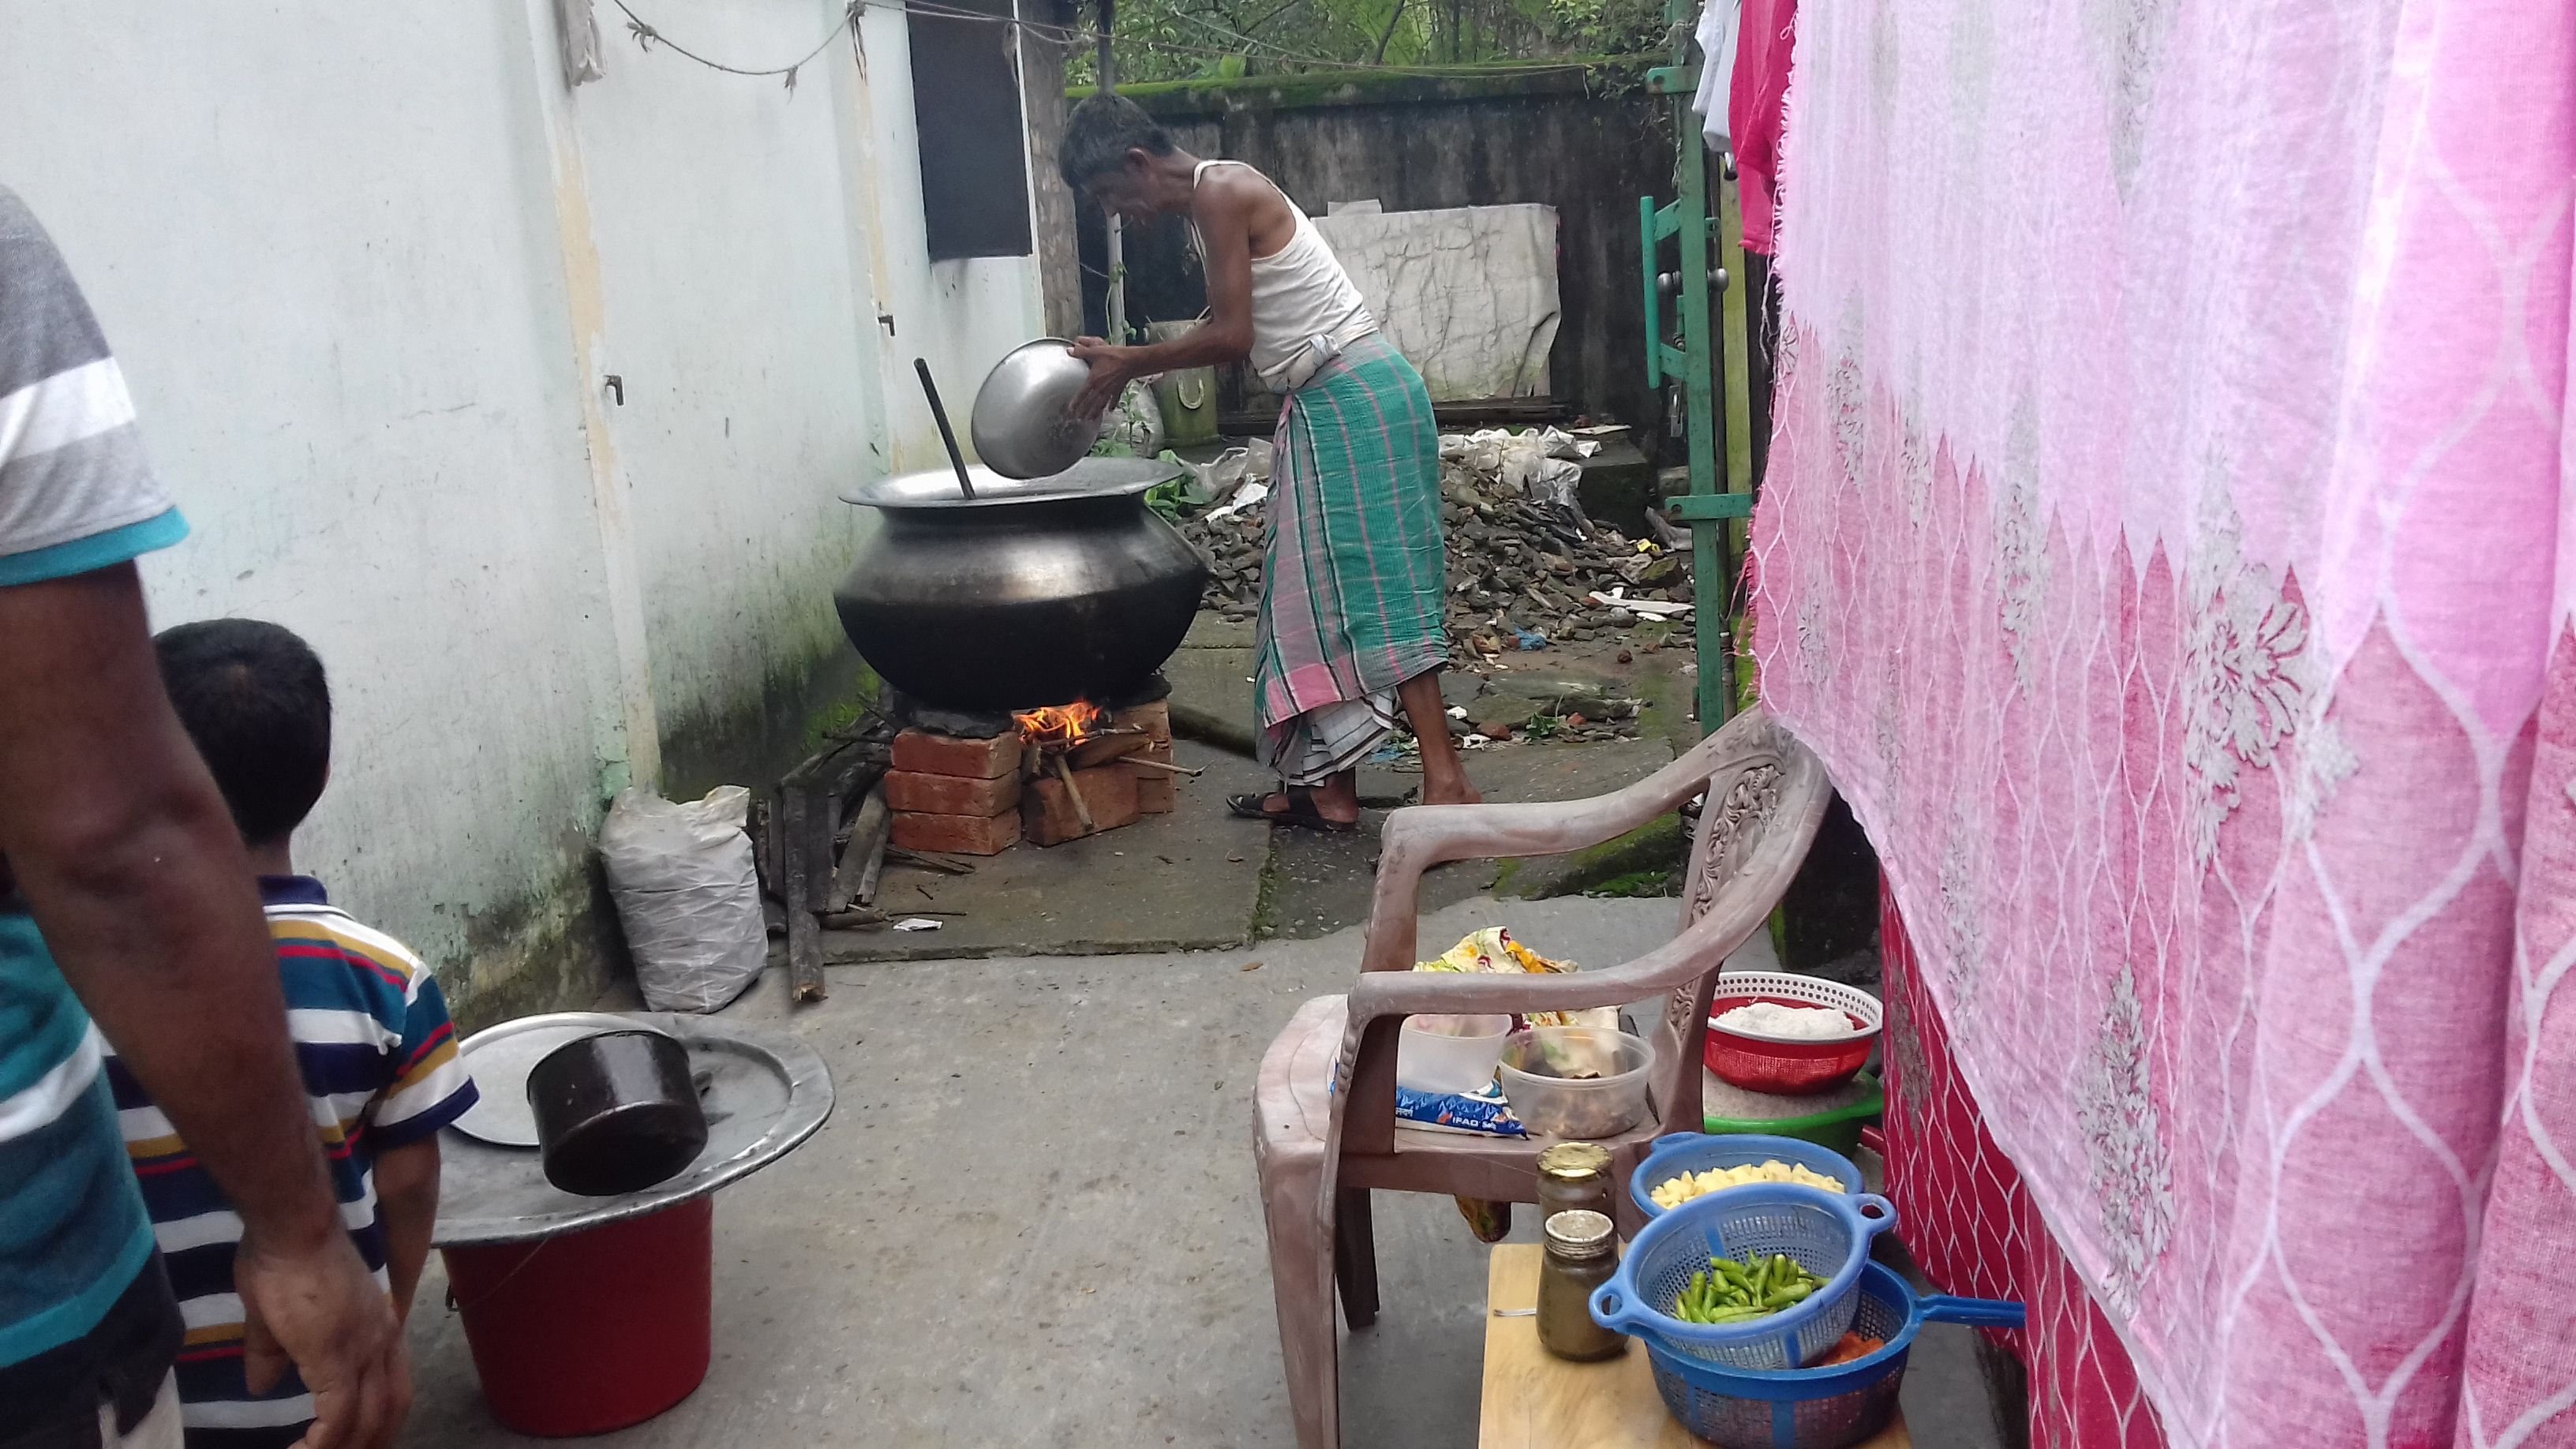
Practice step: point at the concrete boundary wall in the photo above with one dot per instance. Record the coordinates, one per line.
(1588, 142)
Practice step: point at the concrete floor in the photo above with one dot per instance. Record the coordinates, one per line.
(1031, 1221)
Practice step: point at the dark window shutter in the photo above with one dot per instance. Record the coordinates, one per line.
(974, 150)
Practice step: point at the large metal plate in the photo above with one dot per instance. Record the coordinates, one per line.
(500, 1058)
(764, 1092)
(1090, 478)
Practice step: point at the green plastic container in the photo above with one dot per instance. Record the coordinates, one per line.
(1837, 1127)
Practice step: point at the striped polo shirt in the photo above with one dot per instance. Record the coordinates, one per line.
(380, 1069)
(76, 496)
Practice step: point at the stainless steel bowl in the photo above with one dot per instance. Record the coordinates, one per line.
(1019, 425)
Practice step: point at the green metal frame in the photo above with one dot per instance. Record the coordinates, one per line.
(1706, 351)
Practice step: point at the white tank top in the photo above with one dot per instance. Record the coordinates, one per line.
(1299, 291)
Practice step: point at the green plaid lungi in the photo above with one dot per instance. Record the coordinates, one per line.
(1353, 579)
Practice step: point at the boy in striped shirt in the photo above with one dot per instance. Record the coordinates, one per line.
(369, 1025)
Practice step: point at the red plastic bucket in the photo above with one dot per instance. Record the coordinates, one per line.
(593, 1330)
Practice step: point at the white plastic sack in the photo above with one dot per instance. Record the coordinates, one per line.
(1216, 481)
(1135, 425)
(688, 894)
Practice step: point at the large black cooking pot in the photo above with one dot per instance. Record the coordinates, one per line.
(1035, 591)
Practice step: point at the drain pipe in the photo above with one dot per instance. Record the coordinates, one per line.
(1117, 307)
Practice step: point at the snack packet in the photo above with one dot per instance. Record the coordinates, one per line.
(1493, 950)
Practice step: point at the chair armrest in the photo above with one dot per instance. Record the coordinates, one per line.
(1380, 1000)
(1422, 836)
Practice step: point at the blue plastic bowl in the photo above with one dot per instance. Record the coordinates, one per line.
(1699, 1151)
(1827, 1233)
(1818, 1408)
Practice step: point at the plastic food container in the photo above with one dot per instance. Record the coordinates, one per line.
(1693, 1152)
(1764, 1063)
(1585, 1082)
(1837, 1127)
(1449, 1053)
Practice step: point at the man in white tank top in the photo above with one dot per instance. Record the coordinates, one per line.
(1353, 590)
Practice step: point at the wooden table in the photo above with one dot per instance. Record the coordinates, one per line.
(1535, 1400)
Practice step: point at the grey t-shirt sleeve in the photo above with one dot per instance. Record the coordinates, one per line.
(76, 491)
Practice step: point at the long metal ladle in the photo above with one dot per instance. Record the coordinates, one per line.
(947, 434)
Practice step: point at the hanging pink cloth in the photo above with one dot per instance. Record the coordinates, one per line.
(1756, 105)
(1971, 1228)
(2169, 546)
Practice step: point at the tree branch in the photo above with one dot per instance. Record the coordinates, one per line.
(1391, 20)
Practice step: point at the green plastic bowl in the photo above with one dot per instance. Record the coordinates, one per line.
(1835, 1127)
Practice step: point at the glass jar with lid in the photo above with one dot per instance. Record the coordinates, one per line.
(1581, 1254)
(1574, 1177)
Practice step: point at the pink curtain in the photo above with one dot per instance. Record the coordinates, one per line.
(2169, 547)
(1971, 1228)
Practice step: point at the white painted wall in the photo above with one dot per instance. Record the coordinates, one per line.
(366, 268)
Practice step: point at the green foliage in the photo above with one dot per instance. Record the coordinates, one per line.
(1637, 883)
(1169, 40)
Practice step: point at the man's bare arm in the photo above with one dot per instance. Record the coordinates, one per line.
(1223, 212)
(129, 861)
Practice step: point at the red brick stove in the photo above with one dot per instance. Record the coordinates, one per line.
(1062, 773)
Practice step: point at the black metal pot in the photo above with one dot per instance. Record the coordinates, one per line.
(1035, 591)
(616, 1112)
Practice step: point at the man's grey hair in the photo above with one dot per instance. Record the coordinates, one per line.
(1100, 133)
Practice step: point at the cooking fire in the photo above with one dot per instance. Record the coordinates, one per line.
(1058, 724)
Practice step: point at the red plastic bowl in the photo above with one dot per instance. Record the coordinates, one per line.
(1770, 1064)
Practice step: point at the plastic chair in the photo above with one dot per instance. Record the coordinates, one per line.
(1324, 1132)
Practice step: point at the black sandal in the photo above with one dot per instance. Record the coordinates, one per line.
(1301, 811)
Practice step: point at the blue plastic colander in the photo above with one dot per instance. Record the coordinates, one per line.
(1827, 1233)
(1699, 1152)
(1819, 1408)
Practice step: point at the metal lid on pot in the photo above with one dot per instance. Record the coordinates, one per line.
(937, 488)
(1020, 425)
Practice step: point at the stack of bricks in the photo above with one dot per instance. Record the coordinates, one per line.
(1157, 791)
(1113, 791)
(955, 795)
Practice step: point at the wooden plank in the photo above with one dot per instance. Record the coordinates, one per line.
(1535, 1400)
(854, 876)
(796, 814)
(1709, 507)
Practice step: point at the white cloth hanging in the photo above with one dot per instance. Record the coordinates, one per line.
(1719, 22)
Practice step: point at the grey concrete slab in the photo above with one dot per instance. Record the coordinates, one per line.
(1032, 1220)
(1321, 883)
(1188, 880)
(1211, 678)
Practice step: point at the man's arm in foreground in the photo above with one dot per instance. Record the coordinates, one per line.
(130, 863)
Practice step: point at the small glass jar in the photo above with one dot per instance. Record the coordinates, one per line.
(1573, 1177)
(1582, 1253)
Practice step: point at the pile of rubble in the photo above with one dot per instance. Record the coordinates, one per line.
(1526, 569)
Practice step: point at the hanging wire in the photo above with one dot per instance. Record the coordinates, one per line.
(647, 35)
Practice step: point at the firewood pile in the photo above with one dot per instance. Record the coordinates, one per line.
(1523, 570)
